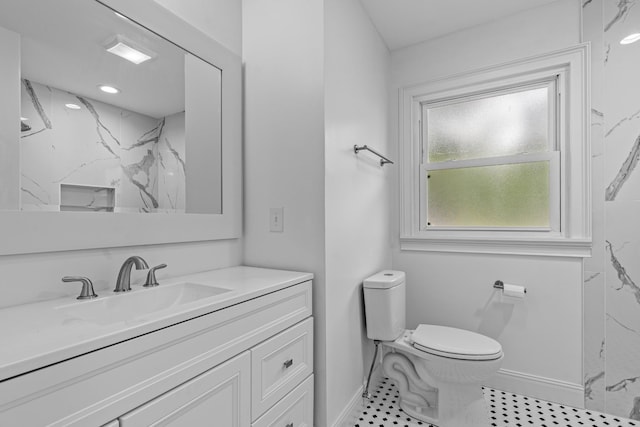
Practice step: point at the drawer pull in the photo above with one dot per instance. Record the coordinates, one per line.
(287, 364)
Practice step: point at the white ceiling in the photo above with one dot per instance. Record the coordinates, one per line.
(62, 45)
(403, 23)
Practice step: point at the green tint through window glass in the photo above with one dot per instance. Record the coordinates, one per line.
(512, 195)
(500, 125)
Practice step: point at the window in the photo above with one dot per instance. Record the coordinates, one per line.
(498, 160)
(487, 159)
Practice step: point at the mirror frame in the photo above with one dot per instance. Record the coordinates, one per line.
(33, 232)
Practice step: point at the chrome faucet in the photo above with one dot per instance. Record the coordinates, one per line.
(123, 284)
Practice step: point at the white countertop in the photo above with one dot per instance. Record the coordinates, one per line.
(39, 334)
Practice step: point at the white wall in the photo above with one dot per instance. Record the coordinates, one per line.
(30, 277)
(9, 114)
(284, 148)
(219, 19)
(595, 320)
(316, 76)
(357, 65)
(532, 32)
(542, 337)
(203, 130)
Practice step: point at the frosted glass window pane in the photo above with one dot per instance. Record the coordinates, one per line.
(495, 126)
(512, 195)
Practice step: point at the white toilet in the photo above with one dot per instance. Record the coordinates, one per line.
(438, 370)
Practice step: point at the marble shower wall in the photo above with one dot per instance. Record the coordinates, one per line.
(612, 276)
(98, 145)
(171, 166)
(622, 208)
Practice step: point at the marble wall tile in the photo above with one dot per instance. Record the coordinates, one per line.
(622, 195)
(172, 167)
(622, 101)
(615, 138)
(594, 340)
(139, 136)
(97, 145)
(622, 279)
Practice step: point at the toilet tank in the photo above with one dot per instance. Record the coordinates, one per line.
(384, 303)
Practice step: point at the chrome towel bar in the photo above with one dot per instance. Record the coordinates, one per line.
(383, 159)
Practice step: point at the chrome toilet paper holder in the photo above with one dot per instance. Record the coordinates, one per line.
(499, 284)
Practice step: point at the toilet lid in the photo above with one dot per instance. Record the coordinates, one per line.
(455, 343)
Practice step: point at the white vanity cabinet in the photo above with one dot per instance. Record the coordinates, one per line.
(248, 364)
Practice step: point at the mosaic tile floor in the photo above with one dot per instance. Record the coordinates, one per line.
(505, 410)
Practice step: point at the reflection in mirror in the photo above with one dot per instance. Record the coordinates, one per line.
(152, 146)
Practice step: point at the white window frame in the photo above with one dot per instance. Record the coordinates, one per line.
(570, 156)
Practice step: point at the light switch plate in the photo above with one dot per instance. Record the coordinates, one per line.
(276, 220)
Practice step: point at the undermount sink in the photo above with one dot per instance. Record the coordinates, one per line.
(139, 302)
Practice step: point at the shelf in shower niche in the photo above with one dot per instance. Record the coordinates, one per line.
(87, 198)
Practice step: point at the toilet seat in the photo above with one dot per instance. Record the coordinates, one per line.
(455, 343)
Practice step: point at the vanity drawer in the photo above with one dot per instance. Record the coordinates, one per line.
(294, 410)
(279, 364)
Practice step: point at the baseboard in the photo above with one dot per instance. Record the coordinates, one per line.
(343, 418)
(562, 392)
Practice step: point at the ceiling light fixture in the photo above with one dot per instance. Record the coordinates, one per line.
(126, 49)
(72, 106)
(631, 38)
(23, 118)
(109, 89)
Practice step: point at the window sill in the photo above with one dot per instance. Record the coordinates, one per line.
(551, 247)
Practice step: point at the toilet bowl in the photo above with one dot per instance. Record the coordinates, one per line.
(438, 370)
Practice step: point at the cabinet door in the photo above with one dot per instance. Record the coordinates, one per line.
(218, 397)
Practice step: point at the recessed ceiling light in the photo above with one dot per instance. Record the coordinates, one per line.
(631, 38)
(108, 89)
(72, 106)
(127, 49)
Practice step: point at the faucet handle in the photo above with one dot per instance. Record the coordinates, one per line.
(87, 291)
(151, 276)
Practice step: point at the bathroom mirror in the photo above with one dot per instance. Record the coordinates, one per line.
(157, 162)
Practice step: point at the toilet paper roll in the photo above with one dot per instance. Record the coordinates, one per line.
(514, 291)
